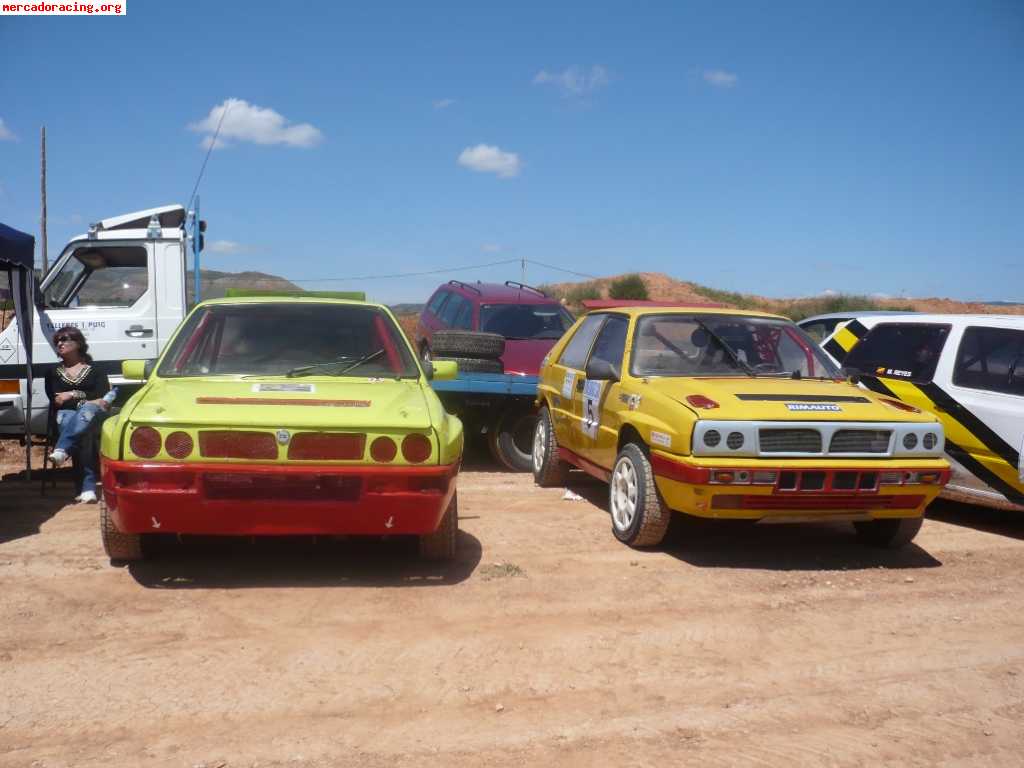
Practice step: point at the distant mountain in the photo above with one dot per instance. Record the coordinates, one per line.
(407, 309)
(214, 285)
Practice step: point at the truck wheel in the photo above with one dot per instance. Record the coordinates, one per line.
(639, 516)
(468, 344)
(511, 440)
(474, 364)
(120, 547)
(440, 545)
(890, 534)
(549, 471)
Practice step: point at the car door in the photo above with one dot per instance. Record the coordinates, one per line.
(568, 376)
(984, 371)
(598, 401)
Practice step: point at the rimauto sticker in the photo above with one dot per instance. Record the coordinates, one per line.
(660, 438)
(283, 387)
(813, 407)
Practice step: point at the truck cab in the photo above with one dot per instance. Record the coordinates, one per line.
(122, 284)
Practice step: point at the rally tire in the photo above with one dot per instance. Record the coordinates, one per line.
(511, 439)
(474, 364)
(490, 346)
(120, 547)
(440, 545)
(549, 471)
(888, 534)
(639, 516)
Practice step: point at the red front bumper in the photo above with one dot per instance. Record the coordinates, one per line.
(271, 499)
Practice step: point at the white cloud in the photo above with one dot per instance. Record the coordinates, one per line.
(5, 133)
(226, 247)
(487, 159)
(259, 125)
(574, 81)
(490, 248)
(829, 292)
(719, 78)
(443, 103)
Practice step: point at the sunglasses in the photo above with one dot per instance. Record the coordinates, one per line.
(62, 339)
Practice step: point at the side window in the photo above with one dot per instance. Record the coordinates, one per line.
(103, 276)
(435, 303)
(611, 342)
(900, 350)
(451, 309)
(991, 359)
(575, 353)
(820, 330)
(464, 320)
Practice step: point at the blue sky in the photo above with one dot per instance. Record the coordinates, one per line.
(782, 148)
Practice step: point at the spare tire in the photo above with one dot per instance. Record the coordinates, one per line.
(475, 364)
(467, 344)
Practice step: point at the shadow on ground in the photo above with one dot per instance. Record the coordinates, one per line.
(289, 561)
(23, 510)
(826, 546)
(1001, 522)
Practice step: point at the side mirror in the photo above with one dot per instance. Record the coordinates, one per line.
(444, 370)
(602, 370)
(137, 370)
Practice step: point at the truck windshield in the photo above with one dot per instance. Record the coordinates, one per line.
(525, 321)
(724, 345)
(288, 339)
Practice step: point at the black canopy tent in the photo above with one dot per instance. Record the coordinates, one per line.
(17, 258)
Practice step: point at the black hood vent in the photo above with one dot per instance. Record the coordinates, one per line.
(805, 398)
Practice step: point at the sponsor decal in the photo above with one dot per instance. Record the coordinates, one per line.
(813, 407)
(592, 408)
(282, 401)
(660, 438)
(893, 372)
(6, 351)
(283, 387)
(568, 383)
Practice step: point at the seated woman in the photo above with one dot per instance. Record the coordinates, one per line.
(78, 392)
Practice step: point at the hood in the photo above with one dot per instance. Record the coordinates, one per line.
(524, 356)
(771, 399)
(314, 402)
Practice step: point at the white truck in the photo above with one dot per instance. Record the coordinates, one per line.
(123, 284)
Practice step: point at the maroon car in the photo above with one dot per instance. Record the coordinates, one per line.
(498, 334)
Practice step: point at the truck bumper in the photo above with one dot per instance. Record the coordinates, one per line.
(273, 500)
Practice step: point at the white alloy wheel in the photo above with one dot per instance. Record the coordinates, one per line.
(624, 493)
(540, 439)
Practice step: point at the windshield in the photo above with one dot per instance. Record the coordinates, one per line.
(289, 339)
(724, 345)
(525, 321)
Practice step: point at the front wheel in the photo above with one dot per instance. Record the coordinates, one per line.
(120, 547)
(440, 545)
(639, 516)
(889, 534)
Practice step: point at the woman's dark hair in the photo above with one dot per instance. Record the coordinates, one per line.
(74, 333)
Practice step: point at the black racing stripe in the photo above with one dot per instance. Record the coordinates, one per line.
(857, 328)
(875, 385)
(983, 473)
(804, 398)
(972, 424)
(835, 349)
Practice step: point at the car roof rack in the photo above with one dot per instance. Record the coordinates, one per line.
(467, 286)
(514, 284)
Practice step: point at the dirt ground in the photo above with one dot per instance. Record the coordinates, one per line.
(546, 643)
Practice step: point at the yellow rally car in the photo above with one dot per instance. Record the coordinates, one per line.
(271, 416)
(729, 414)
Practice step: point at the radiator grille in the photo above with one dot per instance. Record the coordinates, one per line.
(860, 441)
(790, 441)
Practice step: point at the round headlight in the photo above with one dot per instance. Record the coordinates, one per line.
(712, 438)
(734, 440)
(930, 440)
(910, 441)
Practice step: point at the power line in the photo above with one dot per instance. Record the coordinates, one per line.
(213, 143)
(560, 269)
(404, 274)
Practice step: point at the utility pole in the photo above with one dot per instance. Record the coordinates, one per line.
(42, 190)
(522, 264)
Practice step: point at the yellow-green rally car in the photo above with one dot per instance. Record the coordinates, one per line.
(729, 414)
(272, 416)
